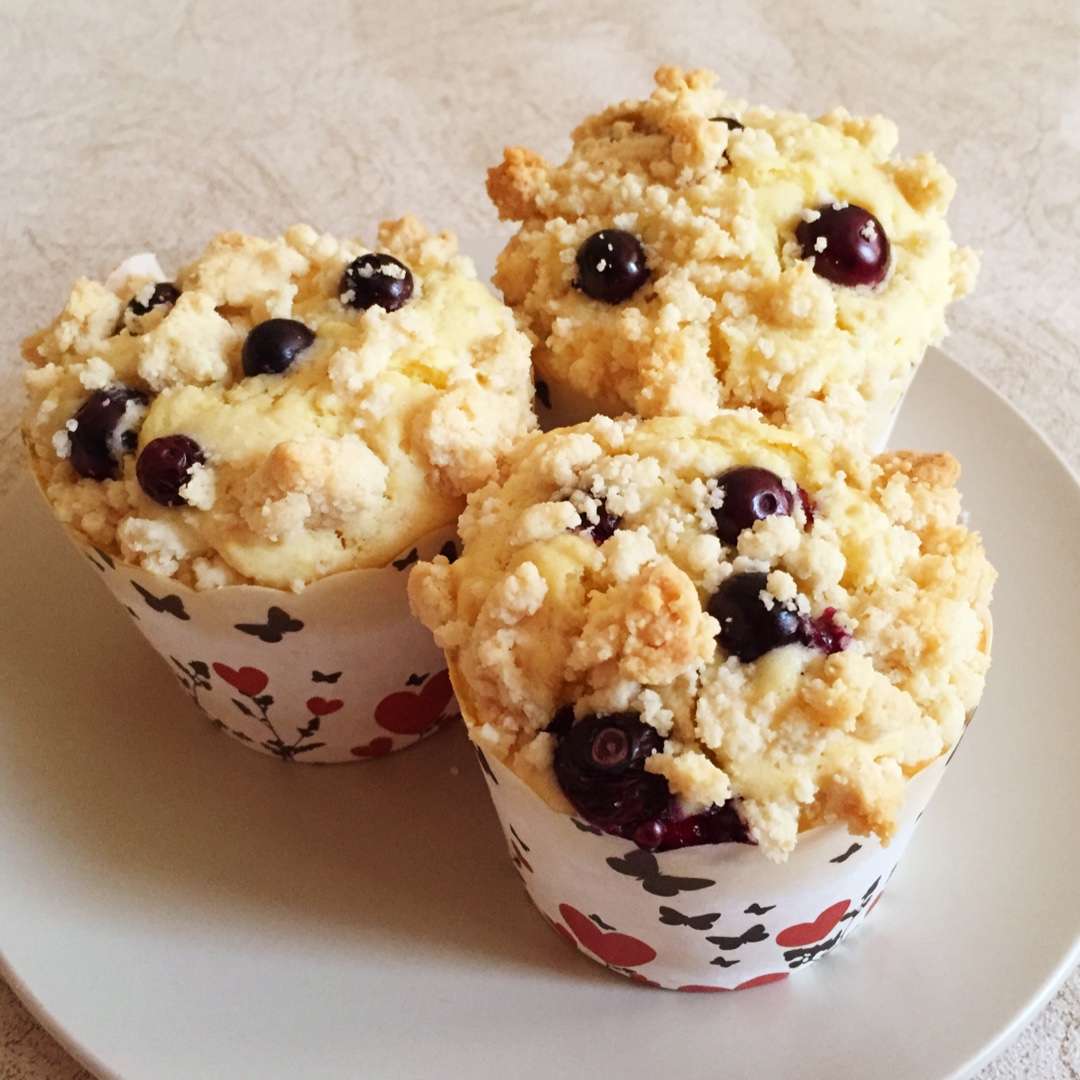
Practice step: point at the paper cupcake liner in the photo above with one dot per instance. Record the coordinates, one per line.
(881, 415)
(708, 918)
(341, 671)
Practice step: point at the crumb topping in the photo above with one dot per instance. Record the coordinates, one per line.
(536, 616)
(731, 313)
(370, 439)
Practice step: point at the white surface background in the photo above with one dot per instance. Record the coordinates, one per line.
(150, 126)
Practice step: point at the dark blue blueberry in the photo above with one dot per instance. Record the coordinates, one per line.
(611, 266)
(273, 345)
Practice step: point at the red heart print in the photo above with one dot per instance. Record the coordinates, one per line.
(406, 712)
(759, 980)
(321, 707)
(379, 746)
(794, 937)
(763, 980)
(562, 931)
(248, 680)
(620, 950)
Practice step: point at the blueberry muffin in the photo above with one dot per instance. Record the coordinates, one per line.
(280, 410)
(696, 632)
(694, 253)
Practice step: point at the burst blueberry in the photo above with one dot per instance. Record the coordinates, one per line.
(600, 766)
(165, 465)
(164, 294)
(106, 428)
(605, 526)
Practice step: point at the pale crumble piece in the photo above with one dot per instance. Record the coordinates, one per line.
(337, 456)
(729, 309)
(879, 593)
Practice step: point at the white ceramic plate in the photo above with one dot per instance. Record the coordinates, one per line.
(173, 905)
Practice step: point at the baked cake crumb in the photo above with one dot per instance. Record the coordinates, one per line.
(881, 590)
(369, 438)
(724, 306)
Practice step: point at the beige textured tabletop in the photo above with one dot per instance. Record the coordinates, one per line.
(131, 127)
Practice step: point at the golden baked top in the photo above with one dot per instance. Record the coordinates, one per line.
(282, 410)
(802, 629)
(694, 253)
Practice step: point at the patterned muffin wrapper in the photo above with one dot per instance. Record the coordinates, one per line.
(339, 672)
(710, 918)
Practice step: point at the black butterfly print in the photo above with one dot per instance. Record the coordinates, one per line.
(416, 680)
(278, 624)
(332, 677)
(795, 958)
(406, 560)
(847, 854)
(584, 826)
(869, 893)
(484, 764)
(757, 932)
(757, 909)
(517, 855)
(600, 922)
(449, 551)
(521, 843)
(170, 604)
(106, 558)
(723, 962)
(97, 565)
(671, 917)
(642, 865)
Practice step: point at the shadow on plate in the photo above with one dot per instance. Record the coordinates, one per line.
(115, 785)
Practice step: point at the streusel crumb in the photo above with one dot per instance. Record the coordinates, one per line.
(829, 648)
(360, 428)
(711, 296)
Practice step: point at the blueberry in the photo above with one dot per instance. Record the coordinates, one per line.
(749, 628)
(106, 427)
(750, 494)
(600, 766)
(825, 634)
(376, 281)
(714, 825)
(611, 266)
(604, 527)
(165, 294)
(731, 124)
(273, 345)
(164, 467)
(848, 245)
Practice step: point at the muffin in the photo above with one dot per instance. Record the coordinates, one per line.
(695, 253)
(266, 441)
(717, 652)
